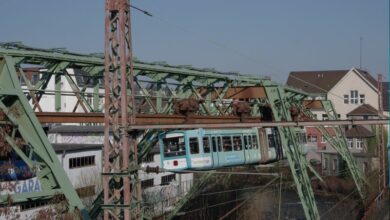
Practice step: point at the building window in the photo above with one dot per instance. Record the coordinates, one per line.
(323, 140)
(346, 99)
(167, 179)
(334, 165)
(34, 78)
(77, 162)
(33, 204)
(350, 143)
(148, 158)
(312, 138)
(354, 97)
(87, 191)
(362, 98)
(147, 183)
(359, 143)
(89, 99)
(325, 163)
(325, 117)
(21, 80)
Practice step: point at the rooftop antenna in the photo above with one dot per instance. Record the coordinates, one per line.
(361, 51)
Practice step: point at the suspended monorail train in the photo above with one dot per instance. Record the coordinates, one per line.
(215, 148)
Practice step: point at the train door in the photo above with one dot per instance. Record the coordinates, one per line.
(272, 147)
(207, 152)
(226, 155)
(255, 148)
(238, 148)
(250, 153)
(216, 148)
(197, 157)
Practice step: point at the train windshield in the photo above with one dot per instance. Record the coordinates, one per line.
(174, 145)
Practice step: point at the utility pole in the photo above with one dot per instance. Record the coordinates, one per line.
(120, 169)
(360, 52)
(381, 138)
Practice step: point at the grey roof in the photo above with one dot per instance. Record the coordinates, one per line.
(76, 129)
(76, 147)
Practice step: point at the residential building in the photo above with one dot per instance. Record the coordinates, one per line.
(354, 95)
(347, 89)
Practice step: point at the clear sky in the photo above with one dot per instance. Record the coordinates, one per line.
(263, 37)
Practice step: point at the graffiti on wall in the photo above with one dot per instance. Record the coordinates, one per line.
(20, 186)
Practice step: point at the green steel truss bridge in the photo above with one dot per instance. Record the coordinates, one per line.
(164, 96)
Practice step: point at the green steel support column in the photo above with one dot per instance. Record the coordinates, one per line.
(341, 146)
(57, 80)
(280, 109)
(14, 104)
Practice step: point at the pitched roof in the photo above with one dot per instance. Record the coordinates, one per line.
(315, 81)
(358, 131)
(364, 109)
(322, 81)
(368, 77)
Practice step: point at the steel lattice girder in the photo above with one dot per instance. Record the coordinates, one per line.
(183, 78)
(14, 105)
(186, 83)
(179, 82)
(297, 161)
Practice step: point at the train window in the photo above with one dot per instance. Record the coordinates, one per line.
(219, 144)
(227, 143)
(194, 145)
(174, 146)
(237, 143)
(254, 142)
(249, 142)
(214, 144)
(206, 145)
(271, 141)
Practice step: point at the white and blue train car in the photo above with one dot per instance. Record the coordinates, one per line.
(214, 148)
